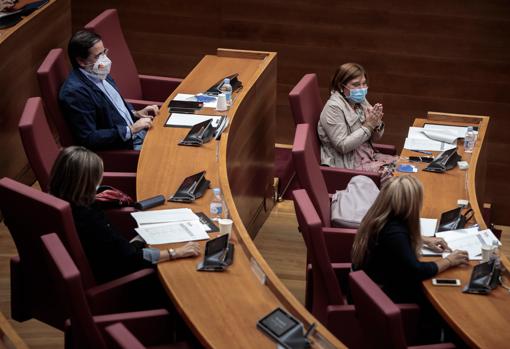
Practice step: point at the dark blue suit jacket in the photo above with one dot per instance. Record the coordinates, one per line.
(93, 119)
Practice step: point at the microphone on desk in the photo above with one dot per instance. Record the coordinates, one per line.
(310, 329)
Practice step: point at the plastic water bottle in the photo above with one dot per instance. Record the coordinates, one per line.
(216, 207)
(469, 140)
(226, 88)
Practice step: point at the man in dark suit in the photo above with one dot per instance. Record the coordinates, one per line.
(91, 103)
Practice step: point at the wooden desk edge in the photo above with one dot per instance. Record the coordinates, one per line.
(463, 120)
(272, 280)
(482, 122)
(7, 32)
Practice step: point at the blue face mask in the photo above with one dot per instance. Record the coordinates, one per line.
(357, 95)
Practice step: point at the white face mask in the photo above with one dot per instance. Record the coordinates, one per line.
(101, 68)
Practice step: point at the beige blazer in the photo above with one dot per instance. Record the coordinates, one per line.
(340, 131)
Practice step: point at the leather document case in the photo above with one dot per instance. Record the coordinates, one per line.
(191, 188)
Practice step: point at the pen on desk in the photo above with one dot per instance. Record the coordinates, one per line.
(422, 152)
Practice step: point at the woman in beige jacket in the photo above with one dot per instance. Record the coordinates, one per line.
(348, 124)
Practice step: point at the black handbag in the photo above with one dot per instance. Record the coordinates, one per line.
(454, 219)
(484, 278)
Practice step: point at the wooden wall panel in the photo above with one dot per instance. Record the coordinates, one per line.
(450, 56)
(22, 49)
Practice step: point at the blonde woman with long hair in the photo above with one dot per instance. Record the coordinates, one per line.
(74, 178)
(388, 242)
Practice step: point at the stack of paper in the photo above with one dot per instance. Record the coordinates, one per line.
(441, 136)
(190, 120)
(419, 138)
(459, 131)
(169, 226)
(428, 226)
(167, 233)
(470, 241)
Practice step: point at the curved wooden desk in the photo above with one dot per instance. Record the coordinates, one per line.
(481, 321)
(223, 308)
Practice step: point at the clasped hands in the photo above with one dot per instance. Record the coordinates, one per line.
(145, 117)
(374, 116)
(6, 4)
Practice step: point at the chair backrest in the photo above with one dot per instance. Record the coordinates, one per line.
(30, 213)
(51, 75)
(41, 148)
(124, 71)
(306, 106)
(67, 279)
(309, 173)
(326, 287)
(122, 337)
(380, 318)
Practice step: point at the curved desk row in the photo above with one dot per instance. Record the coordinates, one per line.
(223, 308)
(481, 321)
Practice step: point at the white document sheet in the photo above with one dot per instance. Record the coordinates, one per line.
(190, 120)
(459, 131)
(447, 235)
(190, 97)
(155, 234)
(428, 226)
(472, 242)
(417, 140)
(459, 233)
(441, 135)
(164, 216)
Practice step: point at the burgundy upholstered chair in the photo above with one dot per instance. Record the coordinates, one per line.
(42, 151)
(383, 322)
(85, 330)
(123, 338)
(51, 75)
(306, 106)
(309, 173)
(329, 303)
(137, 89)
(310, 178)
(28, 214)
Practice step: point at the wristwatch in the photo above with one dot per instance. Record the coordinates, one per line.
(172, 253)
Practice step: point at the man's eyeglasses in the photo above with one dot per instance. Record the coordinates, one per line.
(104, 52)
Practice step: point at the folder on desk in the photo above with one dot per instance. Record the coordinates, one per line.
(192, 188)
